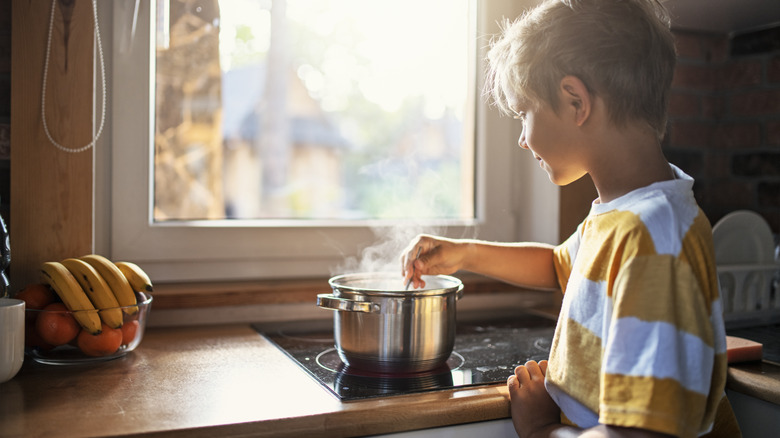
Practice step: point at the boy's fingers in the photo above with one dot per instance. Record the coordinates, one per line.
(543, 367)
(534, 370)
(408, 255)
(418, 281)
(412, 253)
(406, 263)
(521, 373)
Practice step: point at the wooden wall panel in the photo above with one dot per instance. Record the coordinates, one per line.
(51, 190)
(575, 201)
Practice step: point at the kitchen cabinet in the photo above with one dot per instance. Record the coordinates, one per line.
(757, 418)
(495, 429)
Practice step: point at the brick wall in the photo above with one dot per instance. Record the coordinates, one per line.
(724, 124)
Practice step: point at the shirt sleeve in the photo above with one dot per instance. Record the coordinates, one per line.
(563, 259)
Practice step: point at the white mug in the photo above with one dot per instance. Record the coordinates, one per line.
(11, 337)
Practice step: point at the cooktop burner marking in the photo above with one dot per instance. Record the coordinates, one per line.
(329, 360)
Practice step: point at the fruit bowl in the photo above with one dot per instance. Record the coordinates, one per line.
(53, 336)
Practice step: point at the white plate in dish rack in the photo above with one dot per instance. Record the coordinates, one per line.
(743, 237)
(744, 252)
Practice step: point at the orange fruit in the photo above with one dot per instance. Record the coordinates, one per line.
(32, 338)
(55, 325)
(103, 344)
(36, 296)
(129, 330)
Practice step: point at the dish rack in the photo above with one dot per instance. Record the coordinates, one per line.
(750, 294)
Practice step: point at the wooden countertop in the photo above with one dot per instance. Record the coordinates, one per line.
(227, 380)
(756, 379)
(209, 380)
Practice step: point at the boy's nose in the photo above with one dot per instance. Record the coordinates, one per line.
(521, 141)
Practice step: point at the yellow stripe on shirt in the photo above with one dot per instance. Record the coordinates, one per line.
(650, 403)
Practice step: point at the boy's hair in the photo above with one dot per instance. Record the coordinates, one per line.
(622, 50)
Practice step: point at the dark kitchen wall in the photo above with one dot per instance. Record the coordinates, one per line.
(724, 125)
(5, 107)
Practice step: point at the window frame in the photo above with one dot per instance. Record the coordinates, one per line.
(243, 250)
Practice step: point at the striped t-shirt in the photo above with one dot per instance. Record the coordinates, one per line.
(640, 340)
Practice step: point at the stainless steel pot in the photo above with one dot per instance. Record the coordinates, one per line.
(380, 327)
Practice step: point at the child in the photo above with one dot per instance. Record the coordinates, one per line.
(639, 349)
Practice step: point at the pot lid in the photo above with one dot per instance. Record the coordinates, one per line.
(392, 284)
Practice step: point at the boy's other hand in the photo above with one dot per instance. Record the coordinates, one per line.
(532, 407)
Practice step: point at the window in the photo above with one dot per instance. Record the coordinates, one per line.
(302, 238)
(312, 109)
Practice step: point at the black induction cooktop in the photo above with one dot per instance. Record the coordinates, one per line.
(487, 349)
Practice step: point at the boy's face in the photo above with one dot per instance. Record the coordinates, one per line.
(550, 138)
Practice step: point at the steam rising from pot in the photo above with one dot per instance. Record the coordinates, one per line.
(384, 255)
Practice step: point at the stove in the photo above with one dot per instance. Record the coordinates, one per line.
(487, 350)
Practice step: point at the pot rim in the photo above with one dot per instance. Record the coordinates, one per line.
(444, 284)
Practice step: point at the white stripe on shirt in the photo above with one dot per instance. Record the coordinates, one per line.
(662, 346)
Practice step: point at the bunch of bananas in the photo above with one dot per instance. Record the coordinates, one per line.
(96, 289)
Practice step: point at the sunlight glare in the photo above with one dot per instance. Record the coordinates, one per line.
(400, 53)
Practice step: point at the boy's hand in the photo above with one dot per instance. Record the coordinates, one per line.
(532, 407)
(430, 255)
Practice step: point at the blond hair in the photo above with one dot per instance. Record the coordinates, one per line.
(622, 50)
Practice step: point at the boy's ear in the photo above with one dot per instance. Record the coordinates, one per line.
(576, 98)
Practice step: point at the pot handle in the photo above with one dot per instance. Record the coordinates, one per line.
(332, 302)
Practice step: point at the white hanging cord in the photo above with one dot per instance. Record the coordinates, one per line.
(45, 74)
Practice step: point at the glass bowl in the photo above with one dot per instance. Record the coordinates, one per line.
(40, 350)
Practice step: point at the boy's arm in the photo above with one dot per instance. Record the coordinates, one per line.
(524, 264)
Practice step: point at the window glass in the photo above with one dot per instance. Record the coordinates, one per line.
(312, 110)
